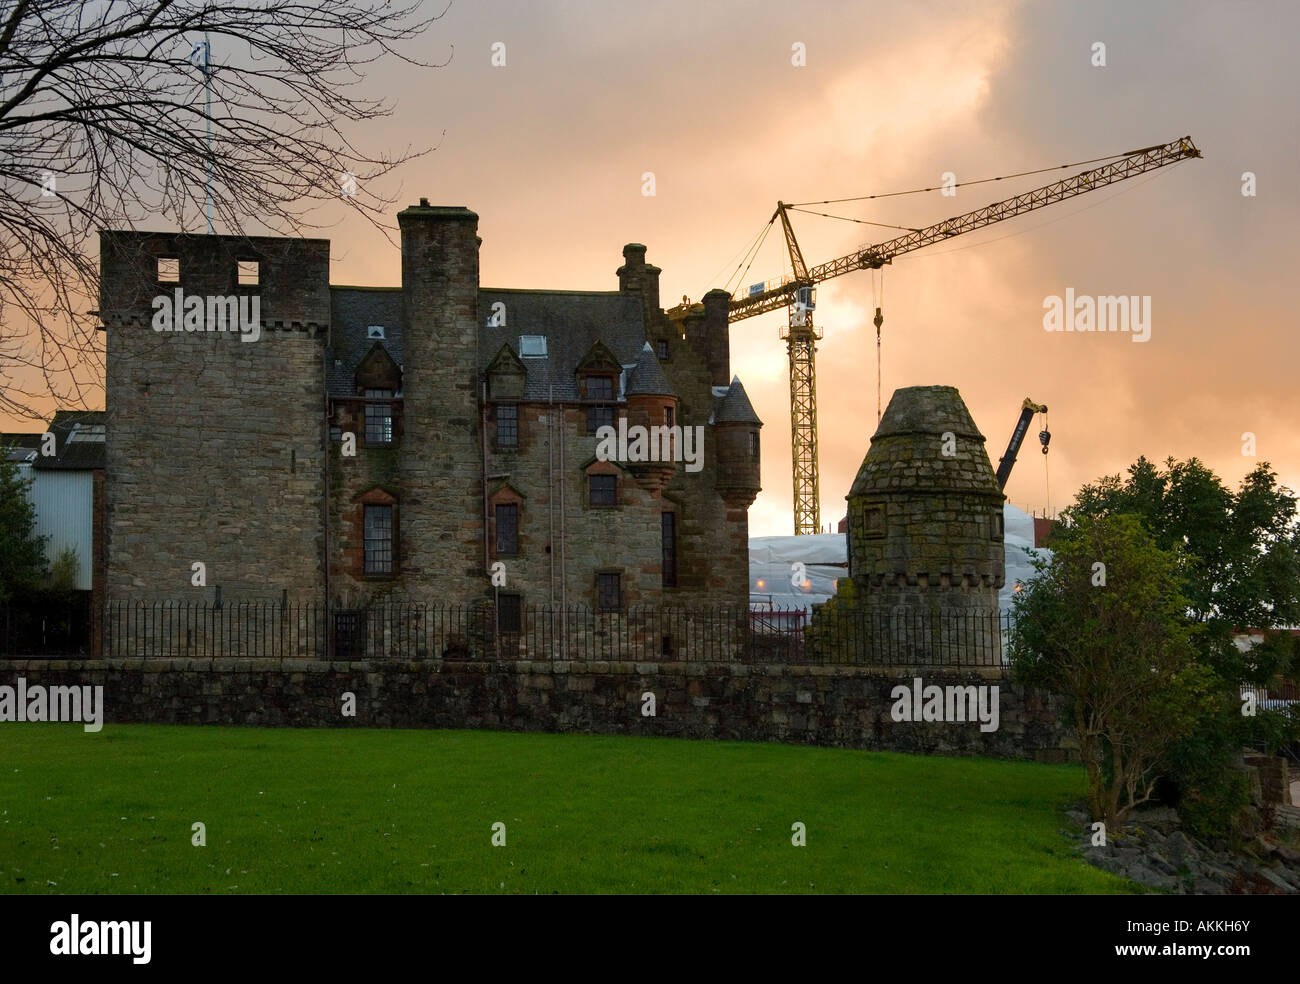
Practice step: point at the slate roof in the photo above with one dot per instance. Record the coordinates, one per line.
(20, 446)
(78, 441)
(572, 322)
(648, 376)
(352, 311)
(731, 405)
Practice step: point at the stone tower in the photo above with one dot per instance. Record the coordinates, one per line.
(925, 511)
(925, 543)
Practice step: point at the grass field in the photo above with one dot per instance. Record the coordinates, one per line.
(322, 811)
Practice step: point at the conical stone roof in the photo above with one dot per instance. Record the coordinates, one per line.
(907, 450)
(735, 408)
(648, 378)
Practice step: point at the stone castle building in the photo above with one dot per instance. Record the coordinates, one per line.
(397, 443)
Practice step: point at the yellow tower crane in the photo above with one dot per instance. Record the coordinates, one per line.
(797, 293)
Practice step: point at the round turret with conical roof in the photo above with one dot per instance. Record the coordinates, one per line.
(925, 511)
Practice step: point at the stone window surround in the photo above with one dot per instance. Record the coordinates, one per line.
(506, 496)
(169, 280)
(357, 549)
(605, 572)
(585, 380)
(498, 512)
(379, 398)
(613, 416)
(496, 429)
(604, 468)
(867, 509)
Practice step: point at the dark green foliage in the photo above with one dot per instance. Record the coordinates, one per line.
(1242, 571)
(1104, 625)
(22, 554)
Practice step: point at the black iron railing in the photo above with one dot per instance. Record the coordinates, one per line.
(416, 631)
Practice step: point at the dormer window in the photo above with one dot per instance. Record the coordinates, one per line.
(379, 418)
(600, 387)
(532, 346)
(375, 331)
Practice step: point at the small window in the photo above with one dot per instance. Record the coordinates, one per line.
(379, 418)
(532, 346)
(169, 270)
(249, 273)
(375, 331)
(507, 529)
(598, 417)
(661, 350)
(379, 539)
(509, 613)
(873, 520)
(668, 532)
(336, 433)
(997, 526)
(600, 387)
(753, 444)
(668, 416)
(609, 592)
(602, 490)
(507, 426)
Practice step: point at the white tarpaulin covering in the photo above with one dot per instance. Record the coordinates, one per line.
(824, 557)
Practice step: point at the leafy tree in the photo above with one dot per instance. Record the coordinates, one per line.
(1115, 643)
(22, 552)
(1242, 570)
(1244, 552)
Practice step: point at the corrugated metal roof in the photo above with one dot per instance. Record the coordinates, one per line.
(79, 437)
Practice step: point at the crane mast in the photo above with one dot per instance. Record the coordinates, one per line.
(796, 293)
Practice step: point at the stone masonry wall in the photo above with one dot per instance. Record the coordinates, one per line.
(214, 445)
(847, 707)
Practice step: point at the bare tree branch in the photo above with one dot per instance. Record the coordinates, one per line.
(104, 124)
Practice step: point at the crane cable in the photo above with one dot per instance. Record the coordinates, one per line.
(965, 184)
(1047, 476)
(878, 295)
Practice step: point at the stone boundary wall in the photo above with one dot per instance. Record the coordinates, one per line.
(837, 706)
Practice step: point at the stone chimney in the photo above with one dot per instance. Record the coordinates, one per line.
(440, 383)
(636, 276)
(708, 331)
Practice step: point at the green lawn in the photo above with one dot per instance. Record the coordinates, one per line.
(412, 811)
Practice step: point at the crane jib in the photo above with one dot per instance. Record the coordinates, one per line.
(872, 257)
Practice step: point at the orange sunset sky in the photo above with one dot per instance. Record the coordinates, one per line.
(550, 150)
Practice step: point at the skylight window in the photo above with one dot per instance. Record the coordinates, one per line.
(532, 346)
(375, 331)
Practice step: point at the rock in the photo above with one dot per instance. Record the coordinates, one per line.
(1180, 847)
(1287, 854)
(1273, 878)
(1163, 866)
(1157, 816)
(1208, 886)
